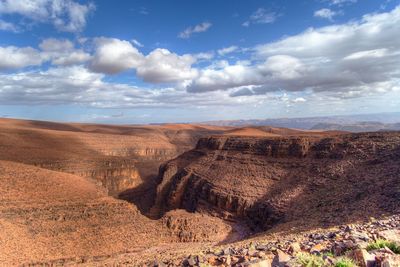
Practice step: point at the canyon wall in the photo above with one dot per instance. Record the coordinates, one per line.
(270, 180)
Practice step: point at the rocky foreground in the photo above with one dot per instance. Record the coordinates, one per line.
(372, 244)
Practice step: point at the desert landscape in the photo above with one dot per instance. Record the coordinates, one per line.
(243, 133)
(187, 194)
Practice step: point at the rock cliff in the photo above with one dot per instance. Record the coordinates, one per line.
(283, 179)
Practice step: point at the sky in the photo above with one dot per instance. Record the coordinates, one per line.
(188, 61)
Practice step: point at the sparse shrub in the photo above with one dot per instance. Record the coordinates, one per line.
(381, 243)
(329, 254)
(308, 260)
(345, 262)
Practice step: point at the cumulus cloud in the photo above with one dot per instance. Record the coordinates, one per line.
(188, 32)
(325, 13)
(65, 15)
(348, 60)
(62, 52)
(78, 85)
(114, 55)
(159, 66)
(261, 16)
(162, 66)
(12, 57)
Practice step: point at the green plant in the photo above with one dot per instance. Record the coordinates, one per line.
(345, 262)
(329, 254)
(381, 243)
(308, 260)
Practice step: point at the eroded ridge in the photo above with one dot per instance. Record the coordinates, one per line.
(294, 180)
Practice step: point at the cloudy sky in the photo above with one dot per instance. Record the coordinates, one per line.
(180, 61)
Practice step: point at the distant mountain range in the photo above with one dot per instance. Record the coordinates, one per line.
(351, 123)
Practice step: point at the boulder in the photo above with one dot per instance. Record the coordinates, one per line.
(389, 261)
(391, 235)
(281, 259)
(363, 258)
(294, 248)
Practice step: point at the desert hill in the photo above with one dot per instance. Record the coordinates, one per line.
(49, 217)
(118, 157)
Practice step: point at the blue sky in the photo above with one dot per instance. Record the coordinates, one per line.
(188, 61)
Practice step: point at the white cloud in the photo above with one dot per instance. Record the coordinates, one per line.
(77, 85)
(12, 57)
(376, 53)
(261, 16)
(349, 60)
(65, 15)
(7, 26)
(187, 33)
(204, 56)
(342, 2)
(73, 58)
(137, 43)
(162, 66)
(299, 100)
(114, 55)
(159, 66)
(282, 67)
(56, 45)
(325, 13)
(227, 50)
(62, 52)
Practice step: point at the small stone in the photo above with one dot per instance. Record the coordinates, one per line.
(258, 263)
(262, 247)
(360, 236)
(331, 235)
(388, 261)
(281, 258)
(252, 253)
(213, 260)
(227, 251)
(261, 254)
(363, 258)
(294, 248)
(338, 249)
(318, 249)
(349, 244)
(159, 264)
(227, 260)
(192, 260)
(243, 251)
(348, 228)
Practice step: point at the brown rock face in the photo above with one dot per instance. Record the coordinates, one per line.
(312, 179)
(111, 155)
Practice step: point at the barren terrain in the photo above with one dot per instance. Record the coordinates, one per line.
(96, 194)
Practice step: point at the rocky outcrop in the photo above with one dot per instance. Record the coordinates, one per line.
(144, 153)
(274, 147)
(271, 180)
(195, 227)
(113, 174)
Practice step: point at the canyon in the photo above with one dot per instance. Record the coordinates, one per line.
(305, 181)
(92, 194)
